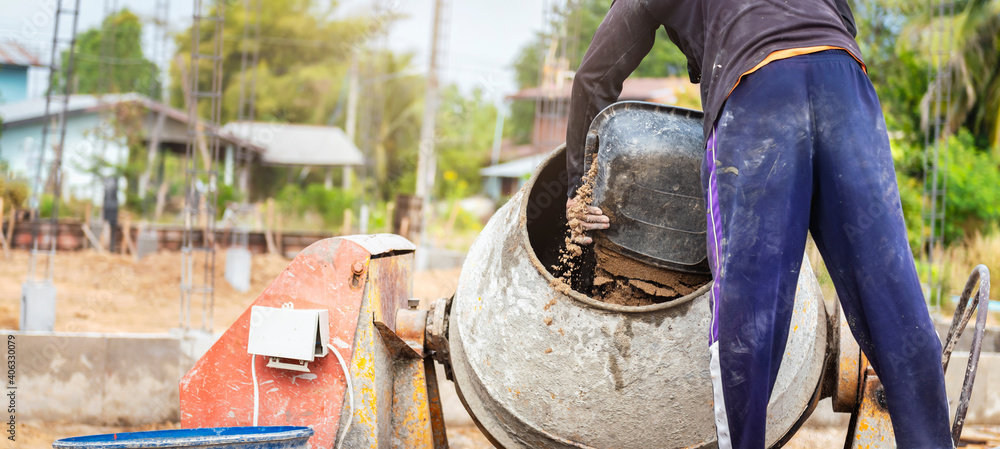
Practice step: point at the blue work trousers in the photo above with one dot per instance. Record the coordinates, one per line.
(801, 146)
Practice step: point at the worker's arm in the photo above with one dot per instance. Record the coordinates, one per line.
(624, 37)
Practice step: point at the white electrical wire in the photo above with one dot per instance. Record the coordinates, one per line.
(253, 373)
(350, 393)
(347, 377)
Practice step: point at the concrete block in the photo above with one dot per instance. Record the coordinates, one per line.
(147, 243)
(38, 307)
(238, 264)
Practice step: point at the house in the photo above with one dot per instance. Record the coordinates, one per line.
(306, 146)
(88, 118)
(518, 162)
(504, 179)
(16, 64)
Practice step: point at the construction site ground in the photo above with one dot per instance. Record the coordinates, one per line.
(113, 293)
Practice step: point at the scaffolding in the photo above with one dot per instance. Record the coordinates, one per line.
(935, 158)
(38, 294)
(200, 175)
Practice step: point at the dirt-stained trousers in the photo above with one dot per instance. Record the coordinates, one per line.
(800, 146)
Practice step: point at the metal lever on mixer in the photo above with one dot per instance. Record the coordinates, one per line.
(963, 313)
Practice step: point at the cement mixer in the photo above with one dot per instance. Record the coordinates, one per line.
(337, 344)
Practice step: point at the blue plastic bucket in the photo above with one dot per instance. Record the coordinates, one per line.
(271, 437)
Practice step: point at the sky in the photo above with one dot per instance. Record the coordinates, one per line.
(483, 35)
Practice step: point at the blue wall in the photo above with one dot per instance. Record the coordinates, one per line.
(19, 149)
(13, 83)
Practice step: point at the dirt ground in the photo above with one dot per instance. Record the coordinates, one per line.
(113, 293)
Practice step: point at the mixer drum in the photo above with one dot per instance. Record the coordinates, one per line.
(539, 368)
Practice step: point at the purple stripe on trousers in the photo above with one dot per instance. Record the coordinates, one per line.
(714, 224)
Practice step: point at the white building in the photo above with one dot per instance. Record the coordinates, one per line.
(89, 118)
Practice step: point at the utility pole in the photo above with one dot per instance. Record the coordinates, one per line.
(427, 162)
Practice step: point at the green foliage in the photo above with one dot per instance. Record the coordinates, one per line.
(910, 190)
(330, 204)
(972, 58)
(973, 198)
(68, 207)
(465, 138)
(13, 189)
(109, 59)
(398, 134)
(518, 125)
(226, 195)
(972, 203)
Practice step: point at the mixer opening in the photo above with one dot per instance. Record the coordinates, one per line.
(599, 273)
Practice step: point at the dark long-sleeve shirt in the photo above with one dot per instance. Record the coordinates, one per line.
(722, 40)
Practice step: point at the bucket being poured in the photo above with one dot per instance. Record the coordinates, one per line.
(270, 437)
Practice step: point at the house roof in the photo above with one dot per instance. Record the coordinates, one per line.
(290, 144)
(516, 168)
(30, 111)
(14, 53)
(642, 89)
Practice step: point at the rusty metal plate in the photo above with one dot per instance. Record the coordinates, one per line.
(218, 390)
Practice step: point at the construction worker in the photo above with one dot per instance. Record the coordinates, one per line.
(795, 142)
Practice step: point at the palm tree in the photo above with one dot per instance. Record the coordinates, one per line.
(969, 69)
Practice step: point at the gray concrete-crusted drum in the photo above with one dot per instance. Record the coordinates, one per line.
(538, 368)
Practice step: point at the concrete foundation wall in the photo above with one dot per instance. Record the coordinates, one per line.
(98, 379)
(991, 338)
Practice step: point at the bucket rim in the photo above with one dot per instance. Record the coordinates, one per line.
(194, 437)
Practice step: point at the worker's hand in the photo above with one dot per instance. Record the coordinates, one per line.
(593, 219)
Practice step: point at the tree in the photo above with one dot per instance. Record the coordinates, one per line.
(109, 59)
(304, 54)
